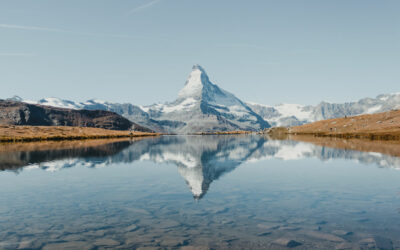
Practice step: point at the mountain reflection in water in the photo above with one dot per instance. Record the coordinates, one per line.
(200, 159)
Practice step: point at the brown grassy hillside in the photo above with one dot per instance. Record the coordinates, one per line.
(38, 133)
(374, 126)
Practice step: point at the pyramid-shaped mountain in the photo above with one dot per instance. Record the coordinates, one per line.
(202, 106)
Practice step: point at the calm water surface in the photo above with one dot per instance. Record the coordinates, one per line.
(197, 192)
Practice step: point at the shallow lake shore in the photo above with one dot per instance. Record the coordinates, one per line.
(64, 133)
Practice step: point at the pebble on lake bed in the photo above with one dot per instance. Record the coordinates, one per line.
(286, 242)
(106, 242)
(342, 232)
(72, 245)
(377, 242)
(324, 236)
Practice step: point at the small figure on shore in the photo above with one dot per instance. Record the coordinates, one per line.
(131, 132)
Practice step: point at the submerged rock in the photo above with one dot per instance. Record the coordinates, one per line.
(289, 228)
(167, 224)
(378, 242)
(174, 242)
(131, 228)
(72, 245)
(324, 236)
(106, 242)
(265, 233)
(285, 242)
(269, 226)
(321, 222)
(344, 245)
(342, 232)
(383, 243)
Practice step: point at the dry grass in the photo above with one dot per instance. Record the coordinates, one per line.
(58, 133)
(384, 126)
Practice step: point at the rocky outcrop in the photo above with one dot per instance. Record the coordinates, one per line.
(19, 113)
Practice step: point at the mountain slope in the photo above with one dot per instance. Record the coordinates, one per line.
(131, 112)
(202, 106)
(384, 125)
(20, 113)
(294, 114)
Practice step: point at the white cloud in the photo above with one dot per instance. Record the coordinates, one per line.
(143, 6)
(37, 28)
(21, 27)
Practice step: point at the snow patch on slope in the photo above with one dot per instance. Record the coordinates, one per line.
(194, 83)
(293, 110)
(187, 104)
(373, 109)
(59, 103)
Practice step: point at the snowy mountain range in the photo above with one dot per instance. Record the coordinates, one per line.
(202, 106)
(295, 114)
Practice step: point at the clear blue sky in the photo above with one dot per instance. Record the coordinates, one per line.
(141, 51)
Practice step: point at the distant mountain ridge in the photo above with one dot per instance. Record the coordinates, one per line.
(294, 114)
(202, 106)
(21, 113)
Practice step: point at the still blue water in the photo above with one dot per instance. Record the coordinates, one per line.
(199, 192)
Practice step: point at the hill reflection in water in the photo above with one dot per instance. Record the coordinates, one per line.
(200, 159)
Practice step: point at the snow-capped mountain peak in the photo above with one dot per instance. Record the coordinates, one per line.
(195, 82)
(202, 106)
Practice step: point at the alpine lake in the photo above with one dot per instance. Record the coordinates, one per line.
(200, 192)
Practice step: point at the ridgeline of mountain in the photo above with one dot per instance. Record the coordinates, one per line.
(202, 106)
(20, 113)
(294, 114)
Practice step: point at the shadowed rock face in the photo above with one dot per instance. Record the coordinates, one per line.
(19, 113)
